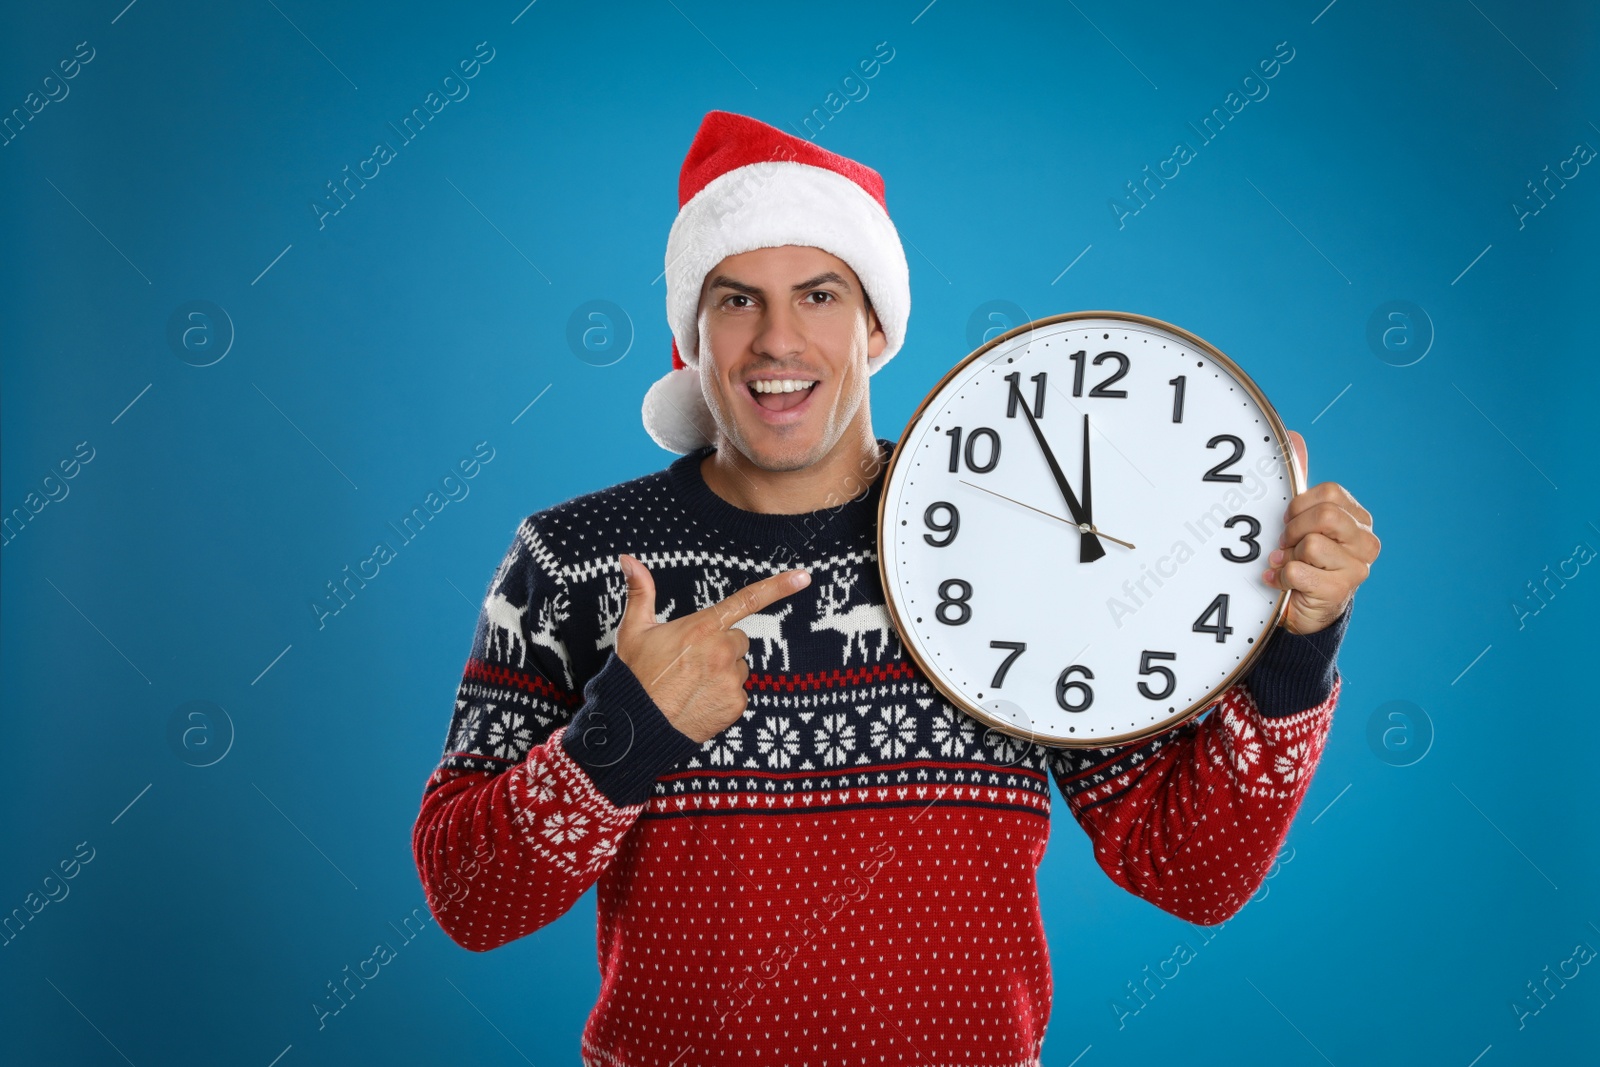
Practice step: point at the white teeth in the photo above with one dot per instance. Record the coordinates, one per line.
(781, 385)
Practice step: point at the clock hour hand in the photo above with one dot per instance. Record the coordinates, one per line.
(1089, 546)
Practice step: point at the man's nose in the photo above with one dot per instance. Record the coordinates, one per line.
(782, 333)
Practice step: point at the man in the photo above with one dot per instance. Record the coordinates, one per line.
(802, 852)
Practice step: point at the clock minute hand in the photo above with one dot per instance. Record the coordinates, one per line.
(1088, 492)
(1089, 546)
(1088, 495)
(1088, 504)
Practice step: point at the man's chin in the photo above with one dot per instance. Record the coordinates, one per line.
(790, 448)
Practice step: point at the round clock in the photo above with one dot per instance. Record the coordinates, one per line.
(1074, 528)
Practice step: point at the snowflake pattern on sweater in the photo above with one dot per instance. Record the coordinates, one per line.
(846, 875)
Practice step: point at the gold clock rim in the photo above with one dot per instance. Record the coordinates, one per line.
(1177, 719)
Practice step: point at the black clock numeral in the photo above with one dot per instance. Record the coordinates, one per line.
(963, 610)
(1077, 372)
(1017, 648)
(1122, 369)
(956, 451)
(1065, 683)
(1177, 396)
(1100, 390)
(1015, 394)
(1249, 539)
(1215, 473)
(1219, 608)
(1148, 666)
(950, 527)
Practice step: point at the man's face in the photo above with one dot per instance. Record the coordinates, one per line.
(792, 318)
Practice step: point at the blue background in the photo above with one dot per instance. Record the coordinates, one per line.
(372, 351)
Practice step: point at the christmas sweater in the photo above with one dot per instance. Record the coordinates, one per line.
(845, 875)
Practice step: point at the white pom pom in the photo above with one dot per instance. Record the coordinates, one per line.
(675, 412)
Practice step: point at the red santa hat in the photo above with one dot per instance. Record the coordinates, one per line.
(747, 185)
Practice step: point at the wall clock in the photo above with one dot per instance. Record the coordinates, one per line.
(1074, 527)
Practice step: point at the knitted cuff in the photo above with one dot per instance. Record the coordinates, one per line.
(621, 738)
(1296, 671)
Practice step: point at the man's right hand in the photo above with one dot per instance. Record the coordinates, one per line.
(693, 667)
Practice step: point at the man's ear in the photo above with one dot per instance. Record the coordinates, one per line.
(877, 340)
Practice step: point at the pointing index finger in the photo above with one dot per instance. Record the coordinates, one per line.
(757, 595)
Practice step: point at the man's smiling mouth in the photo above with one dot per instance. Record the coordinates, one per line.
(780, 394)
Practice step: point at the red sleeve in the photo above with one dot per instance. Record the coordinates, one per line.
(537, 785)
(1192, 820)
(502, 855)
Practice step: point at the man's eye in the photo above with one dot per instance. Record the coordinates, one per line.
(738, 296)
(827, 297)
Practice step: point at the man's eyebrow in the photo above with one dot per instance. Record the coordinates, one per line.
(724, 282)
(825, 276)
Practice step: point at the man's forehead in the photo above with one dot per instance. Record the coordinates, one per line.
(815, 265)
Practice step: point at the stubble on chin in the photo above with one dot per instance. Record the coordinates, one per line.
(778, 455)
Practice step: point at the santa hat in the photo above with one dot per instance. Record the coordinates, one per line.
(747, 185)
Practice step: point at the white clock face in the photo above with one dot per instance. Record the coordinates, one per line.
(1059, 634)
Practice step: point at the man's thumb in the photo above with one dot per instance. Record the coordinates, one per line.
(640, 606)
(1298, 443)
